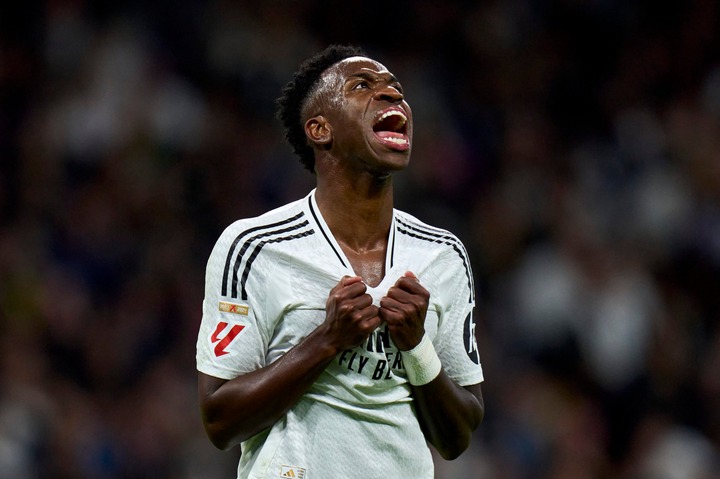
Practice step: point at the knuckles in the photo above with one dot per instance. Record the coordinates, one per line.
(345, 309)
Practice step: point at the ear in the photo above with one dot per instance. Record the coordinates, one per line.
(318, 130)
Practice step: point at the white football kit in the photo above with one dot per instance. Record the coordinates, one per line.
(266, 285)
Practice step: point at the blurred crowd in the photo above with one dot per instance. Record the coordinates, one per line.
(573, 145)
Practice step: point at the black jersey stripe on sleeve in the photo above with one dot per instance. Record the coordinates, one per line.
(441, 237)
(249, 242)
(256, 252)
(228, 260)
(327, 238)
(431, 231)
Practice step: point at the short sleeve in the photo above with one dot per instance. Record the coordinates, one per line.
(455, 341)
(231, 339)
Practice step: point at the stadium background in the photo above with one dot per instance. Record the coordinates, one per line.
(573, 145)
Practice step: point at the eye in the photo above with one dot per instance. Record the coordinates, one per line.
(362, 84)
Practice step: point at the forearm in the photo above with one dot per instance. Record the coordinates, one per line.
(236, 410)
(448, 414)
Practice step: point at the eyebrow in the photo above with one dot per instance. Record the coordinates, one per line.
(373, 77)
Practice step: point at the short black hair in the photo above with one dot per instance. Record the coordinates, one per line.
(295, 93)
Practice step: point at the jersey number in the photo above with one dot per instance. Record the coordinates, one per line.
(224, 342)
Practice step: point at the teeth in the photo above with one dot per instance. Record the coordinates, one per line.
(390, 113)
(399, 141)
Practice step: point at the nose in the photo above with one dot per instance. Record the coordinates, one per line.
(389, 93)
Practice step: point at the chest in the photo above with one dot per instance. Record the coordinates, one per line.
(370, 266)
(301, 291)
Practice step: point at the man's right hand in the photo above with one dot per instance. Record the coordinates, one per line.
(350, 316)
(235, 410)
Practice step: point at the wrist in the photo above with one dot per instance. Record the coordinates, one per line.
(322, 343)
(422, 363)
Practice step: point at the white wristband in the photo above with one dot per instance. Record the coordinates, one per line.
(422, 363)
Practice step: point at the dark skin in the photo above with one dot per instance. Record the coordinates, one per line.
(354, 192)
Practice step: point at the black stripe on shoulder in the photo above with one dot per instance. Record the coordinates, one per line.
(434, 235)
(249, 242)
(432, 231)
(428, 230)
(228, 260)
(256, 252)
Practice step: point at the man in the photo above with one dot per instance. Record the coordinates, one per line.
(337, 333)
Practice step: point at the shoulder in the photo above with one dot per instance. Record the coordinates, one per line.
(449, 260)
(278, 219)
(289, 221)
(242, 246)
(425, 235)
(286, 222)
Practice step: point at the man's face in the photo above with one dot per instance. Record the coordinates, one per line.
(370, 120)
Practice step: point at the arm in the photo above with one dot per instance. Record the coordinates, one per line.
(447, 412)
(237, 409)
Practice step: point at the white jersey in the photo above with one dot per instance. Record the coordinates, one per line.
(266, 285)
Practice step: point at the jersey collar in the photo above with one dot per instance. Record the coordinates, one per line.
(332, 243)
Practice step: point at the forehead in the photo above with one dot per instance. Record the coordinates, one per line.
(354, 65)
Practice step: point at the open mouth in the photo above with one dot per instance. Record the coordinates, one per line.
(390, 127)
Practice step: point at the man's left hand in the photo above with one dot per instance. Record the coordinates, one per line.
(403, 309)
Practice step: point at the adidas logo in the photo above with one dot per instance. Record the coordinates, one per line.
(292, 472)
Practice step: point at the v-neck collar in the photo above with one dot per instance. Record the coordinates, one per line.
(335, 246)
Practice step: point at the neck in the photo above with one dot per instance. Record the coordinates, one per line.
(359, 213)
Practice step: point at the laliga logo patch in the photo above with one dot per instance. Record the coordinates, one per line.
(469, 339)
(225, 340)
